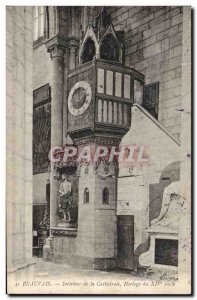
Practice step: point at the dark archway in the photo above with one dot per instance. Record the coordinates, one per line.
(89, 51)
(109, 49)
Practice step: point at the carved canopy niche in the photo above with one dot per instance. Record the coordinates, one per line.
(89, 51)
(102, 41)
(109, 48)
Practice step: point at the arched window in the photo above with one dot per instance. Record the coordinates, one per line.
(109, 49)
(39, 20)
(86, 195)
(105, 195)
(89, 51)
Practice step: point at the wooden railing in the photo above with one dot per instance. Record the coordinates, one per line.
(113, 112)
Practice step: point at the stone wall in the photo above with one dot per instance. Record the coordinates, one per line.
(42, 67)
(185, 245)
(39, 188)
(170, 174)
(134, 197)
(153, 46)
(19, 141)
(64, 249)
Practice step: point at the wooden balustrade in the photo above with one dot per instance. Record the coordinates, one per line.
(113, 112)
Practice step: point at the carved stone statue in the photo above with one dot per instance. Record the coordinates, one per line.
(65, 186)
(65, 199)
(171, 207)
(166, 225)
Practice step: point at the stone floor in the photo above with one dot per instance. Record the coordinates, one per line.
(50, 270)
(53, 278)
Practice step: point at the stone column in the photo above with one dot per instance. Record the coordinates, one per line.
(19, 111)
(72, 58)
(96, 243)
(73, 46)
(56, 123)
(56, 46)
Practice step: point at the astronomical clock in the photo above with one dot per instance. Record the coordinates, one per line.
(100, 96)
(100, 93)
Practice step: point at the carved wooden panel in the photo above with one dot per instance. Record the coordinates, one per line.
(41, 130)
(114, 83)
(87, 118)
(112, 97)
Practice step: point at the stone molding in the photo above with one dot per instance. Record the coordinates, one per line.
(64, 232)
(98, 140)
(56, 46)
(72, 43)
(21, 265)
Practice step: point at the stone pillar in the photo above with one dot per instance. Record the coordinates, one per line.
(56, 123)
(56, 46)
(96, 244)
(72, 58)
(73, 46)
(19, 111)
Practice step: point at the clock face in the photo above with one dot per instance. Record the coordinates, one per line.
(79, 98)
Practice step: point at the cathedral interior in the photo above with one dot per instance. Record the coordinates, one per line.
(105, 76)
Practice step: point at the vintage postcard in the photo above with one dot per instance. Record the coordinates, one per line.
(98, 149)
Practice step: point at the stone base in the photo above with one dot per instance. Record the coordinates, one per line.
(147, 259)
(104, 264)
(62, 249)
(48, 254)
(65, 224)
(86, 262)
(19, 272)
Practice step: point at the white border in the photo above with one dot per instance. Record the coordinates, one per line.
(4, 3)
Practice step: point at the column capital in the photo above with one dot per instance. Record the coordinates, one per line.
(73, 43)
(56, 46)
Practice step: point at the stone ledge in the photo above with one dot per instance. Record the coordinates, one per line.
(162, 230)
(69, 232)
(21, 265)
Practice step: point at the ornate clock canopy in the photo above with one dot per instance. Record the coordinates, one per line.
(101, 89)
(108, 46)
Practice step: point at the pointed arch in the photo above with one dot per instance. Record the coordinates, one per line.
(89, 51)
(109, 48)
(105, 196)
(89, 35)
(86, 196)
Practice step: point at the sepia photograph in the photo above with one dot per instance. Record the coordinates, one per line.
(98, 150)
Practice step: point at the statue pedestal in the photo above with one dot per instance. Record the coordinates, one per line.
(65, 224)
(48, 249)
(164, 237)
(151, 257)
